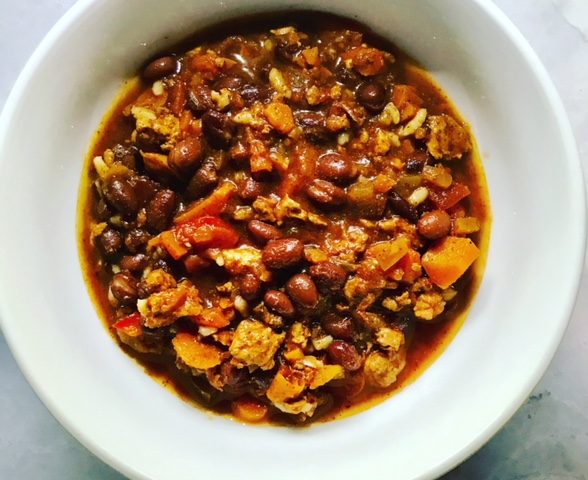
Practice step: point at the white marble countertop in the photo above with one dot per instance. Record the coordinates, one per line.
(546, 439)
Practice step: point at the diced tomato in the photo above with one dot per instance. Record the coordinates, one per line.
(207, 232)
(214, 317)
(130, 325)
(214, 204)
(410, 266)
(445, 199)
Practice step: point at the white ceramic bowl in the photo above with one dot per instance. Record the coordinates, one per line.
(144, 431)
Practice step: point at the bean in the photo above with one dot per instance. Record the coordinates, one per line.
(372, 95)
(134, 263)
(160, 67)
(249, 286)
(231, 83)
(124, 288)
(279, 303)
(434, 224)
(186, 155)
(401, 207)
(251, 189)
(345, 355)
(416, 162)
(126, 155)
(111, 241)
(282, 253)
(199, 99)
(336, 168)
(325, 193)
(302, 290)
(233, 379)
(202, 182)
(121, 195)
(255, 93)
(313, 124)
(160, 210)
(148, 140)
(136, 239)
(263, 232)
(217, 129)
(328, 276)
(338, 327)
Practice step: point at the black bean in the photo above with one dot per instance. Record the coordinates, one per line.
(136, 239)
(251, 189)
(255, 93)
(401, 207)
(202, 182)
(336, 168)
(416, 161)
(111, 241)
(134, 263)
(126, 155)
(302, 290)
(160, 210)
(435, 224)
(313, 124)
(248, 285)
(263, 232)
(186, 155)
(338, 327)
(217, 129)
(230, 83)
(199, 100)
(160, 67)
(278, 302)
(283, 253)
(372, 95)
(120, 193)
(326, 193)
(345, 354)
(124, 288)
(328, 276)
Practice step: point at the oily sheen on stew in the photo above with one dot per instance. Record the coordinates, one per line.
(282, 223)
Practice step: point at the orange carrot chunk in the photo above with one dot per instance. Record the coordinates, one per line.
(449, 259)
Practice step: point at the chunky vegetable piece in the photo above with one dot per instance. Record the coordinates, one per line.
(281, 221)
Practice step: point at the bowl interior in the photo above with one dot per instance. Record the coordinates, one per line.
(105, 399)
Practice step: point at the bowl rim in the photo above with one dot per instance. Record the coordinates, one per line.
(577, 189)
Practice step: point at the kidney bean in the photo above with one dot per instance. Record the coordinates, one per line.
(416, 162)
(248, 285)
(328, 276)
(282, 253)
(335, 167)
(121, 195)
(345, 355)
(338, 327)
(325, 193)
(302, 290)
(134, 263)
(279, 303)
(263, 232)
(434, 224)
(136, 239)
(160, 210)
(217, 129)
(401, 207)
(202, 182)
(186, 155)
(124, 288)
(111, 241)
(160, 67)
(102, 211)
(372, 95)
